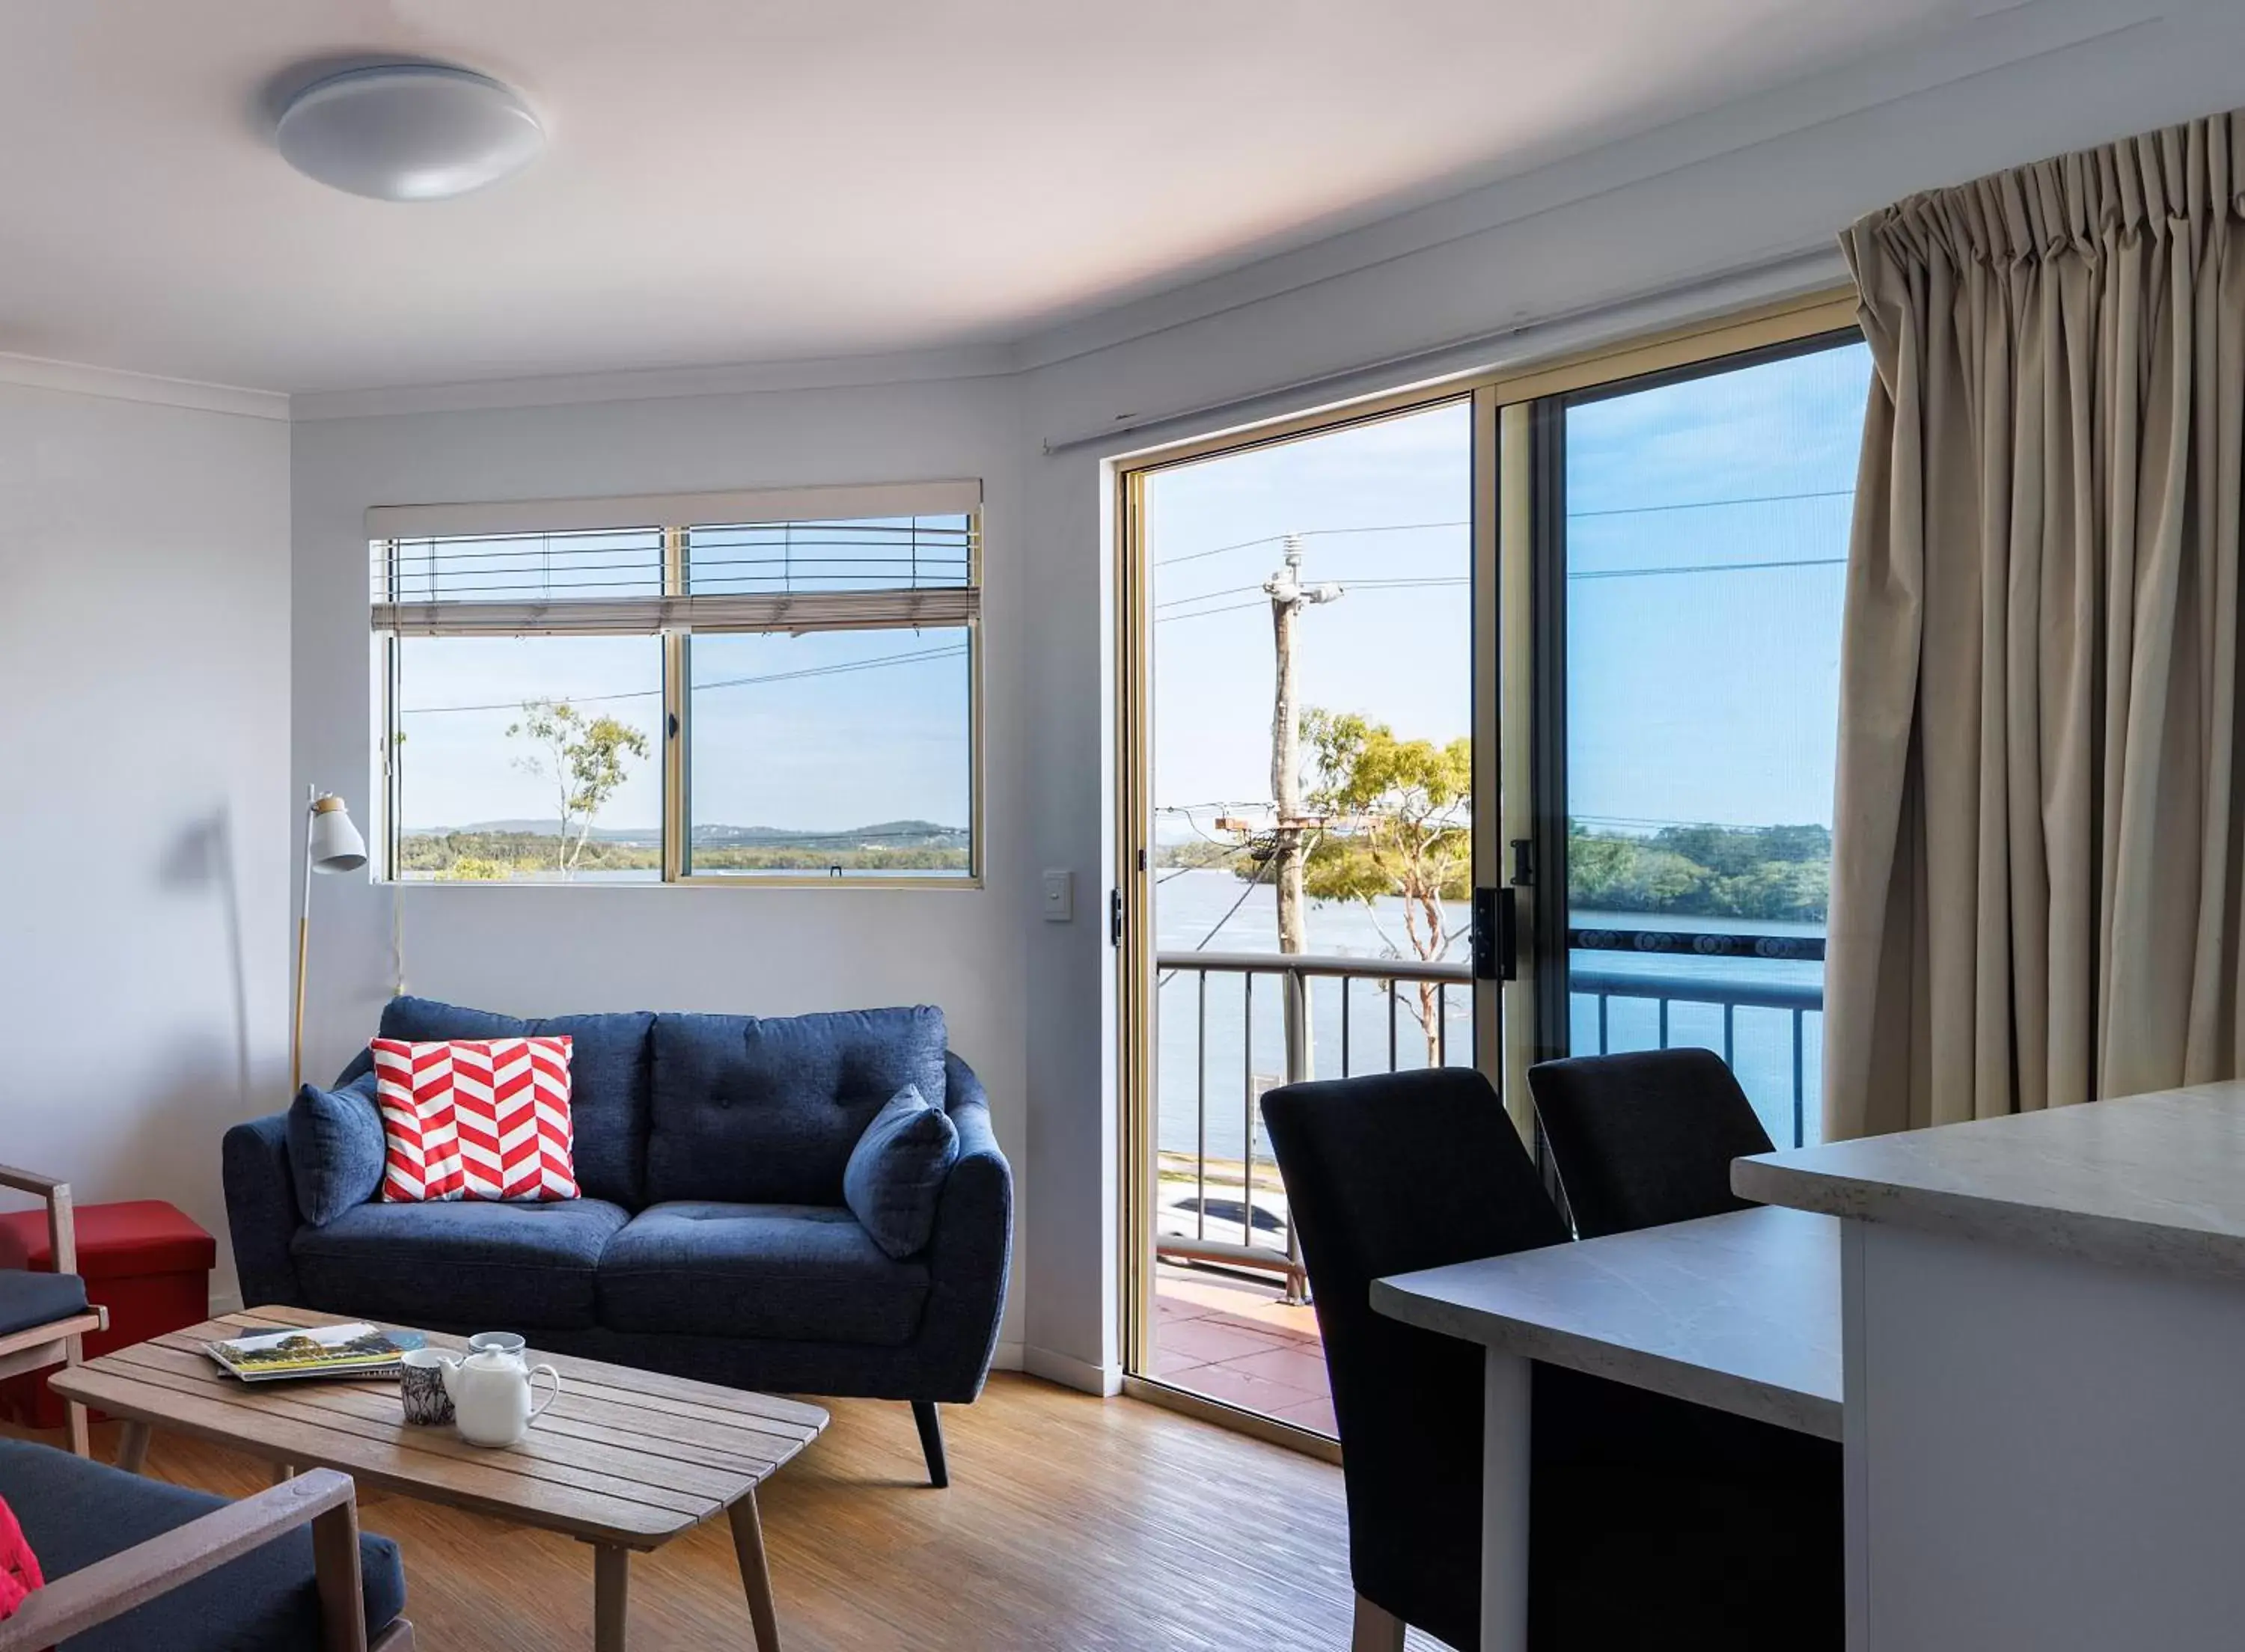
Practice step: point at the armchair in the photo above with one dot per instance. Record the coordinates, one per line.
(45, 1317)
(347, 1600)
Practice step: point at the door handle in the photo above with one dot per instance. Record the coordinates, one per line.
(1495, 934)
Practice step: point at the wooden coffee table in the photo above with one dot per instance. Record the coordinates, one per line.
(624, 1459)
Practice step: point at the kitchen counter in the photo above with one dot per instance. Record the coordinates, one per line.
(2043, 1373)
(2149, 1181)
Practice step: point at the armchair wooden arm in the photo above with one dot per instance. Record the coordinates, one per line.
(31, 1349)
(132, 1577)
(62, 1231)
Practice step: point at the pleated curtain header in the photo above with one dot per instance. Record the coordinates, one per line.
(2171, 185)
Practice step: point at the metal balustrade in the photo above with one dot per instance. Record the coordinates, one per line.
(1368, 1020)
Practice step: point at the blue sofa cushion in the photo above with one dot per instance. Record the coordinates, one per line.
(498, 1267)
(75, 1512)
(29, 1299)
(894, 1179)
(608, 1077)
(765, 1111)
(335, 1144)
(792, 1273)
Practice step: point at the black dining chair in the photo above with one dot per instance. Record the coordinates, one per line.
(1645, 1137)
(1386, 1175)
(1648, 1525)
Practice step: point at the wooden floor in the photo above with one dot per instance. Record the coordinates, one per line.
(1070, 1523)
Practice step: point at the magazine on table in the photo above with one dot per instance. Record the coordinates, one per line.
(357, 1350)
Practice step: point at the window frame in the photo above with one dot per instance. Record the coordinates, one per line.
(676, 516)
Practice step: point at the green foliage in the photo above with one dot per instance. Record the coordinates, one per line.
(1401, 821)
(583, 757)
(498, 856)
(1768, 872)
(475, 869)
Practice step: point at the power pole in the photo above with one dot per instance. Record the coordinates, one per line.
(1290, 829)
(1290, 841)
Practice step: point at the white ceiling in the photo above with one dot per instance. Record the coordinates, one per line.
(737, 181)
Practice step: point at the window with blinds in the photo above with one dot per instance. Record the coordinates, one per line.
(714, 687)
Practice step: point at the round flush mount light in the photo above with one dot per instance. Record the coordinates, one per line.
(409, 131)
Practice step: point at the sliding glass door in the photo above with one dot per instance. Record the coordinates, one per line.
(1468, 729)
(1692, 530)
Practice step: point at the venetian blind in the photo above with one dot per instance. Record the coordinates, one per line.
(903, 556)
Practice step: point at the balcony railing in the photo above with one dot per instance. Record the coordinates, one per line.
(1373, 1018)
(1244, 1193)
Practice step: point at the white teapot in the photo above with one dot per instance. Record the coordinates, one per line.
(491, 1395)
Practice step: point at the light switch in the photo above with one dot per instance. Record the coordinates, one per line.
(1060, 897)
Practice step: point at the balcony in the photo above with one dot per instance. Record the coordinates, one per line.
(1232, 1322)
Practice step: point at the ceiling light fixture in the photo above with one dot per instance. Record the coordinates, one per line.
(409, 131)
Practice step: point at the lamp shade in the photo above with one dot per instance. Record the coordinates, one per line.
(335, 845)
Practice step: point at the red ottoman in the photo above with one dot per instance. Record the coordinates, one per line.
(148, 1265)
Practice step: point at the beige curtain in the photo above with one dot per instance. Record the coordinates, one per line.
(2038, 878)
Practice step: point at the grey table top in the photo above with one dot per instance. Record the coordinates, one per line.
(2152, 1181)
(1740, 1312)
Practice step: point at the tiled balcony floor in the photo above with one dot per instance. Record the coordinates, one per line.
(1233, 1340)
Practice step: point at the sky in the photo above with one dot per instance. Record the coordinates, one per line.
(822, 731)
(1702, 675)
(1696, 693)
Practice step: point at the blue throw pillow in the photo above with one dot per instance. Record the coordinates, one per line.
(896, 1170)
(334, 1148)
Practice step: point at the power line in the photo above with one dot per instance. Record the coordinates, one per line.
(1204, 614)
(1419, 527)
(1706, 567)
(723, 682)
(1398, 582)
(1308, 533)
(1714, 505)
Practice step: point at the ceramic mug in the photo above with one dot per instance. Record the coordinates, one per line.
(504, 1342)
(420, 1386)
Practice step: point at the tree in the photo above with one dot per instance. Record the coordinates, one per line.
(1399, 822)
(583, 757)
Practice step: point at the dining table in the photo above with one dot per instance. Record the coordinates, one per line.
(1740, 1312)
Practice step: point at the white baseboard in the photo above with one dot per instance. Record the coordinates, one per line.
(226, 1301)
(1008, 1358)
(1071, 1372)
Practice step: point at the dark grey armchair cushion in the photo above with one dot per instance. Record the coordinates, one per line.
(74, 1513)
(335, 1142)
(497, 1266)
(894, 1180)
(765, 1110)
(793, 1273)
(29, 1299)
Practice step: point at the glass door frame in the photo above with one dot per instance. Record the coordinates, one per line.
(1518, 666)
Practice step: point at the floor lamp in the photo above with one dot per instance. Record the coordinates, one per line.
(331, 844)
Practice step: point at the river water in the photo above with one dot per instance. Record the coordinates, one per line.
(1207, 1084)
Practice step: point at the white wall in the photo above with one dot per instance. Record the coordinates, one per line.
(1655, 229)
(144, 789)
(549, 950)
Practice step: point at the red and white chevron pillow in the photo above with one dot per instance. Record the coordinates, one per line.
(475, 1119)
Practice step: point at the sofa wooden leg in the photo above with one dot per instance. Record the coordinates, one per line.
(931, 1440)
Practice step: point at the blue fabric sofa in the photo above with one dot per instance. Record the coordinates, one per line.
(712, 1240)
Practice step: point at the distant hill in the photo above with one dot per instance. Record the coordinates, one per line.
(888, 833)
